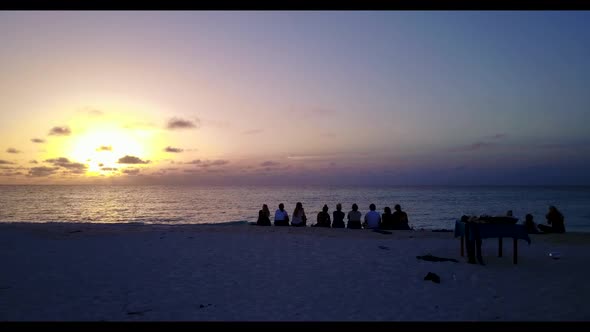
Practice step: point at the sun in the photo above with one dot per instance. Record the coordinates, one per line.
(100, 147)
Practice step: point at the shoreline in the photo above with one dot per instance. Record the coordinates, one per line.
(192, 272)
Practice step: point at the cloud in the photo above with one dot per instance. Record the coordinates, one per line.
(131, 160)
(131, 171)
(100, 165)
(253, 132)
(269, 163)
(12, 150)
(73, 167)
(472, 147)
(33, 162)
(60, 131)
(104, 148)
(193, 162)
(218, 162)
(498, 136)
(176, 123)
(173, 150)
(10, 173)
(42, 171)
(37, 140)
(109, 168)
(5, 162)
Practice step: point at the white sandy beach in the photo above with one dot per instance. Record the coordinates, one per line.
(95, 272)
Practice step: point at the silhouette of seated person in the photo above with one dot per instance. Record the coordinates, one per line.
(281, 216)
(555, 220)
(372, 218)
(299, 218)
(387, 221)
(400, 219)
(338, 221)
(529, 224)
(263, 216)
(323, 219)
(354, 218)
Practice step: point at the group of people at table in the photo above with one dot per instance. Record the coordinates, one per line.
(397, 220)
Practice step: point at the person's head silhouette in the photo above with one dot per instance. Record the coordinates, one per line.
(355, 207)
(325, 208)
(372, 207)
(281, 206)
(387, 210)
(338, 206)
(397, 207)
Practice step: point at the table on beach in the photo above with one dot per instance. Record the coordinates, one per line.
(488, 230)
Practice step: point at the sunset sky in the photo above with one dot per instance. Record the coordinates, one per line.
(377, 98)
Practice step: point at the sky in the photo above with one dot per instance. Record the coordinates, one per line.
(295, 98)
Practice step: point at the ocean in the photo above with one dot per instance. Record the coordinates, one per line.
(427, 207)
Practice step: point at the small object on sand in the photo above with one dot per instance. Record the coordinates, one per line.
(431, 258)
(383, 247)
(555, 255)
(381, 231)
(442, 230)
(77, 231)
(432, 276)
(138, 312)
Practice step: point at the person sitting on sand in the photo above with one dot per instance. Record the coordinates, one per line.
(372, 218)
(263, 216)
(281, 216)
(509, 213)
(354, 218)
(338, 221)
(529, 224)
(299, 218)
(400, 219)
(323, 218)
(386, 219)
(555, 220)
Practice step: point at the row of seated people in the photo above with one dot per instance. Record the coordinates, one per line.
(397, 220)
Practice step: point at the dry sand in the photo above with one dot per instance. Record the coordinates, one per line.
(66, 272)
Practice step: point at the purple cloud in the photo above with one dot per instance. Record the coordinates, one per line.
(42, 171)
(60, 131)
(131, 160)
(73, 167)
(104, 148)
(131, 171)
(472, 147)
(173, 150)
(37, 140)
(176, 123)
(269, 163)
(5, 162)
(12, 150)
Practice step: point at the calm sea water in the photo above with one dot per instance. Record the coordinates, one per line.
(427, 207)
